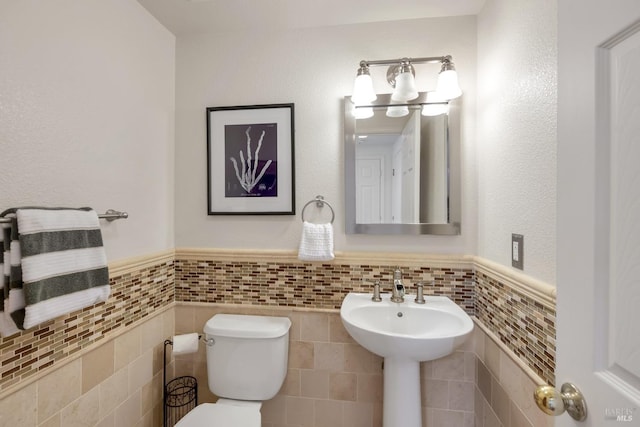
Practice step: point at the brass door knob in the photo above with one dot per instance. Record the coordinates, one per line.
(553, 402)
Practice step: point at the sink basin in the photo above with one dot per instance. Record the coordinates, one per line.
(405, 334)
(419, 332)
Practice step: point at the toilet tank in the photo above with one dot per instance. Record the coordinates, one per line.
(246, 355)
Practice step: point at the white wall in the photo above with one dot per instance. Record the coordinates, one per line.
(517, 132)
(87, 115)
(87, 111)
(313, 68)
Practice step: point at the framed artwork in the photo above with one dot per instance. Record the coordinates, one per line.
(250, 160)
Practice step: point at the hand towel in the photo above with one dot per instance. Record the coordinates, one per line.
(316, 243)
(64, 265)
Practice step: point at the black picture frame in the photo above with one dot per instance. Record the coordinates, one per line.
(250, 160)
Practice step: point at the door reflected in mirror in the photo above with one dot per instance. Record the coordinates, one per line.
(398, 169)
(401, 176)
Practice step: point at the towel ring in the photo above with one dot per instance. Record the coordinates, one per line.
(320, 202)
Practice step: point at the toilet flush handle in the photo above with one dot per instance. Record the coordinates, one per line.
(209, 341)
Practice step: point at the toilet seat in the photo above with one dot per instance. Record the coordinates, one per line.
(212, 414)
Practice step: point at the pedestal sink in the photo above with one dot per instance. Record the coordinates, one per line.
(405, 334)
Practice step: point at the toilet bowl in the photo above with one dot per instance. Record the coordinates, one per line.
(219, 414)
(246, 365)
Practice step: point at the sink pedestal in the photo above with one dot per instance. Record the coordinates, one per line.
(402, 405)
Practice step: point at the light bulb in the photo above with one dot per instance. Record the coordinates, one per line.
(363, 93)
(448, 87)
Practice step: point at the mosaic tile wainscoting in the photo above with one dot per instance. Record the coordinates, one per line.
(521, 313)
(516, 312)
(109, 356)
(504, 386)
(97, 366)
(278, 279)
(332, 381)
(515, 318)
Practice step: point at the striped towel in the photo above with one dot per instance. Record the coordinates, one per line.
(64, 265)
(7, 325)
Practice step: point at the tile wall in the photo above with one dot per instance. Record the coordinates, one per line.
(134, 296)
(522, 322)
(333, 381)
(96, 366)
(318, 285)
(517, 313)
(503, 387)
(330, 376)
(117, 384)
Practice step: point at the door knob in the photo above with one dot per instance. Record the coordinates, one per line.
(553, 402)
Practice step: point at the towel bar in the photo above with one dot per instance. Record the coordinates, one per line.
(320, 202)
(109, 215)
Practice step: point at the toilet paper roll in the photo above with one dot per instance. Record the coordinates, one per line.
(185, 344)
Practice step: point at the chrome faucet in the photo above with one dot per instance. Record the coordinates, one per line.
(397, 292)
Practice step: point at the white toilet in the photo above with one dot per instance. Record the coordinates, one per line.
(246, 365)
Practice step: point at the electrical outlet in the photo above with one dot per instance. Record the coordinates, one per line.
(517, 251)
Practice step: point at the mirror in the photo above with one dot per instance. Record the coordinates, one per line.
(402, 173)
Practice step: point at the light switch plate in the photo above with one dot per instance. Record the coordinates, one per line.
(517, 251)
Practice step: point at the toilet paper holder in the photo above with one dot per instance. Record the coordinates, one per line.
(181, 344)
(179, 395)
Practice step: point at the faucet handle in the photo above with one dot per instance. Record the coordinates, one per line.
(420, 293)
(376, 290)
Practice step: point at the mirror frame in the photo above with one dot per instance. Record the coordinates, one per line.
(452, 227)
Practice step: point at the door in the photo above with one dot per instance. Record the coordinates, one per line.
(369, 191)
(598, 303)
(411, 170)
(406, 173)
(396, 182)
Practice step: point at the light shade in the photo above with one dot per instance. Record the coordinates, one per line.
(448, 86)
(435, 105)
(405, 87)
(397, 111)
(363, 93)
(434, 109)
(363, 112)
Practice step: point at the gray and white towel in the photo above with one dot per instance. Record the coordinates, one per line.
(7, 324)
(63, 264)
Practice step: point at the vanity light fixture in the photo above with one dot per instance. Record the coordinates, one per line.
(401, 76)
